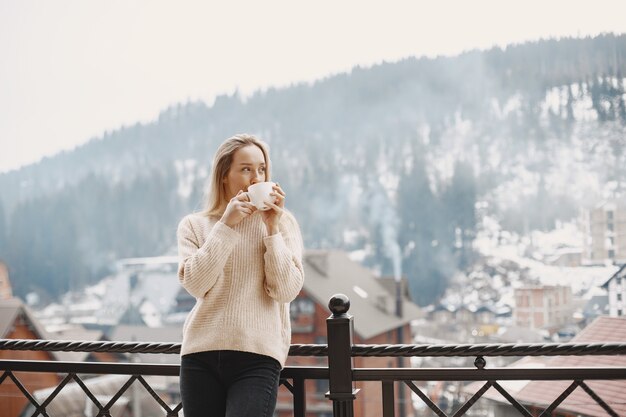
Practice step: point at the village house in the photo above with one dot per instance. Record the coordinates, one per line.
(604, 228)
(616, 288)
(329, 272)
(546, 307)
(17, 321)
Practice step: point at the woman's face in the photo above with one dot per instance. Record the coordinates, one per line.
(248, 167)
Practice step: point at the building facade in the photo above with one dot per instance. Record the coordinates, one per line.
(605, 233)
(616, 288)
(375, 322)
(543, 307)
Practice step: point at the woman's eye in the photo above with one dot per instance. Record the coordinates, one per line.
(262, 169)
(246, 169)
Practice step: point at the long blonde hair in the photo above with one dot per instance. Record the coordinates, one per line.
(216, 195)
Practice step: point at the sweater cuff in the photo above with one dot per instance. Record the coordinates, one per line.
(275, 242)
(225, 233)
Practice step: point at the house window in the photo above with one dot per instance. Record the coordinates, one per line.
(609, 216)
(619, 296)
(611, 253)
(302, 312)
(619, 312)
(618, 280)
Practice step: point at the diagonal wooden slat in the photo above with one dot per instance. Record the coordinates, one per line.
(597, 399)
(512, 400)
(548, 411)
(472, 400)
(425, 398)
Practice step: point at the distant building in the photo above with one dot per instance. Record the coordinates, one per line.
(616, 287)
(543, 307)
(140, 291)
(17, 321)
(598, 305)
(373, 307)
(463, 314)
(605, 233)
(484, 315)
(442, 314)
(567, 257)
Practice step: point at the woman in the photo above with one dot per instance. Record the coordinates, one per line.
(243, 266)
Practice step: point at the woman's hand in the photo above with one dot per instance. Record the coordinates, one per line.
(271, 217)
(238, 208)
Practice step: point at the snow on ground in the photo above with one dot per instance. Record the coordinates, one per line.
(529, 252)
(566, 235)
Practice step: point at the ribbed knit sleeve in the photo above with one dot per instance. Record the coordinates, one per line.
(200, 267)
(284, 274)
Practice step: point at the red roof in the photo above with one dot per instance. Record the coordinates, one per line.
(543, 393)
(603, 329)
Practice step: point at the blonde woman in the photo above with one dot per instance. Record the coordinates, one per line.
(244, 267)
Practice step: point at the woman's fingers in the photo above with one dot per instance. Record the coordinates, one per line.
(242, 196)
(278, 189)
(244, 205)
(279, 194)
(275, 207)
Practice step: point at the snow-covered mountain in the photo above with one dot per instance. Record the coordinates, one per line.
(398, 163)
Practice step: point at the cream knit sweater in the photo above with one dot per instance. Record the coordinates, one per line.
(243, 281)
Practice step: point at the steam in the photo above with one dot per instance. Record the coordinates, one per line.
(383, 216)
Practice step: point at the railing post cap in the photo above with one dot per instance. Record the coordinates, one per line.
(339, 304)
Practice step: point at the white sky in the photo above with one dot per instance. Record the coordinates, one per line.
(71, 69)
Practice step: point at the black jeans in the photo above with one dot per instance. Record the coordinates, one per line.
(227, 383)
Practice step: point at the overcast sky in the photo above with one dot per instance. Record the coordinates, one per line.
(71, 69)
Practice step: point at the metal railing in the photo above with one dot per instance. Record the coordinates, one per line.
(340, 372)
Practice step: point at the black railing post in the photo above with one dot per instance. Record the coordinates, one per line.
(341, 382)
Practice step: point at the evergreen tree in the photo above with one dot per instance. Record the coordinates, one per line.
(420, 233)
(460, 202)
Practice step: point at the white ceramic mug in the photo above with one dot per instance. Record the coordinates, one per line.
(259, 193)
